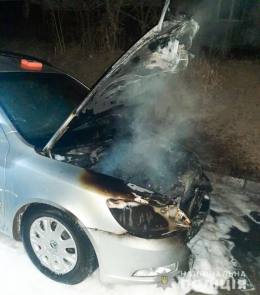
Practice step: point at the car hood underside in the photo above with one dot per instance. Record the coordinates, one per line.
(134, 77)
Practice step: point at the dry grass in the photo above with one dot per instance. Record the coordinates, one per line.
(204, 78)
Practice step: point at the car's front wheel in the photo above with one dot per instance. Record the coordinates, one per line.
(57, 245)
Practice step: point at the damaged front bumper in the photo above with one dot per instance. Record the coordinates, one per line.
(129, 259)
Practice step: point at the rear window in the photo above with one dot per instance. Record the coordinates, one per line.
(38, 103)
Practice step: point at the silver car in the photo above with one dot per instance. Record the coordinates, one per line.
(85, 181)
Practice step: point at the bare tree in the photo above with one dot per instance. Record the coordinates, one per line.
(26, 9)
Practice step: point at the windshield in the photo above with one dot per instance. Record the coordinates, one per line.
(38, 103)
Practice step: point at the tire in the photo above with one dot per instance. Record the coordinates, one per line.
(57, 245)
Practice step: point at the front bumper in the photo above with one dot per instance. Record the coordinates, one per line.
(120, 257)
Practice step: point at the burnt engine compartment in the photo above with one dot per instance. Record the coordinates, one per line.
(152, 167)
(155, 171)
(117, 147)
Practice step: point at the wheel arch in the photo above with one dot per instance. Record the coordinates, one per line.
(17, 221)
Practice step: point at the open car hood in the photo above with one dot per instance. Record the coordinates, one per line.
(161, 51)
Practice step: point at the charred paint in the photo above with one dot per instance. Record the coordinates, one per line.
(141, 212)
(111, 187)
(139, 209)
(105, 185)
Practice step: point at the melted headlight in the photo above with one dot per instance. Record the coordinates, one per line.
(144, 220)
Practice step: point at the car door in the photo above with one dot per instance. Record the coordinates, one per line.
(4, 146)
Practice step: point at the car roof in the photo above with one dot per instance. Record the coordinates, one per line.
(11, 62)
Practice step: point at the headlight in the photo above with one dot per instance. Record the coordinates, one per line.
(146, 221)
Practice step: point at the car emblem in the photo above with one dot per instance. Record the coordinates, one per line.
(53, 244)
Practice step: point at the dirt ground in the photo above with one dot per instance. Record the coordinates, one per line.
(213, 107)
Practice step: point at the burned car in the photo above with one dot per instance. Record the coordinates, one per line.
(80, 186)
